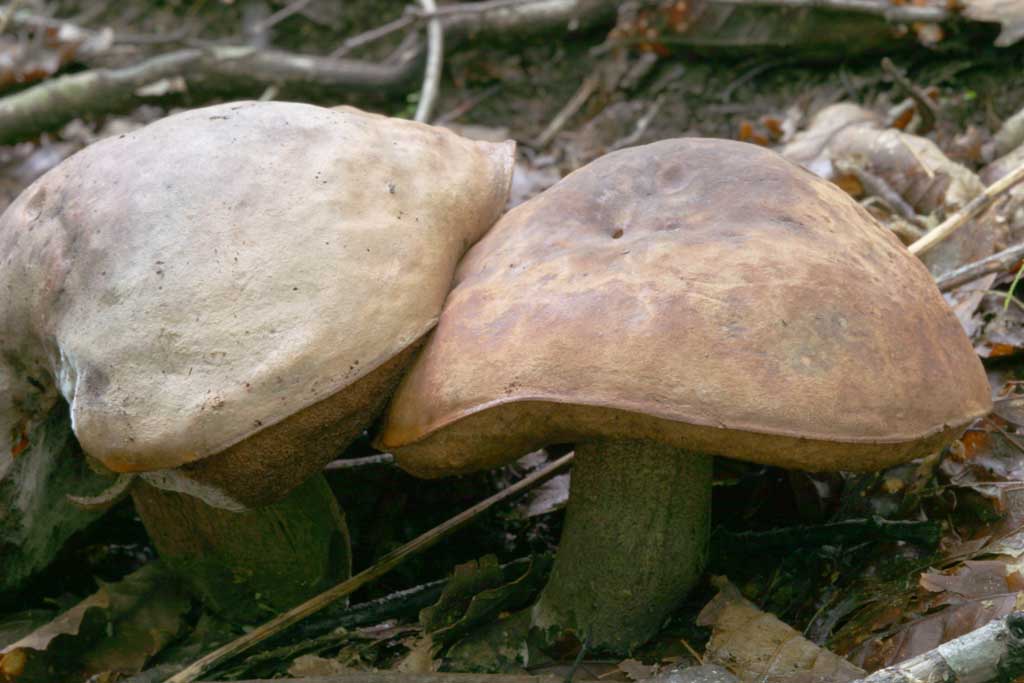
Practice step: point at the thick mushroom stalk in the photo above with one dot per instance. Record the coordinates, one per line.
(224, 299)
(701, 297)
(634, 543)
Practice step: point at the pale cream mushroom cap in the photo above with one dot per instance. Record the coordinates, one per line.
(705, 294)
(192, 283)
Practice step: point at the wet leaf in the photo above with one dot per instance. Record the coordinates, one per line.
(467, 581)
(477, 594)
(118, 628)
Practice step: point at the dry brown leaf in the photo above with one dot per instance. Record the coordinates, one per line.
(757, 646)
(911, 167)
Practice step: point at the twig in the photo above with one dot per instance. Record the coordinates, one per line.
(53, 103)
(441, 677)
(467, 106)
(970, 211)
(280, 15)
(994, 652)
(891, 12)
(575, 103)
(995, 263)
(835, 533)
(407, 602)
(466, 8)
(355, 463)
(641, 125)
(925, 107)
(879, 187)
(384, 565)
(373, 35)
(435, 60)
(8, 14)
(473, 19)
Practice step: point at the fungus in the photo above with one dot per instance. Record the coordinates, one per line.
(665, 304)
(225, 298)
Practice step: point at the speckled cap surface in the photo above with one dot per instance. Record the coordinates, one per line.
(191, 283)
(704, 293)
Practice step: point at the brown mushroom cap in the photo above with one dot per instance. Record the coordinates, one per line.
(197, 281)
(704, 293)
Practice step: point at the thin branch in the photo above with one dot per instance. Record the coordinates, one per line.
(280, 15)
(467, 106)
(575, 103)
(994, 652)
(356, 463)
(891, 12)
(373, 35)
(970, 211)
(996, 263)
(465, 8)
(925, 106)
(435, 61)
(53, 103)
(384, 565)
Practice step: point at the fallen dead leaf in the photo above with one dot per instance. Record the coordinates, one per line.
(117, 628)
(757, 646)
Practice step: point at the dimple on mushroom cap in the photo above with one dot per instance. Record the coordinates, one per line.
(704, 293)
(189, 284)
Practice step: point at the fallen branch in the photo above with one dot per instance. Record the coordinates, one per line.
(54, 103)
(970, 211)
(384, 565)
(996, 263)
(994, 652)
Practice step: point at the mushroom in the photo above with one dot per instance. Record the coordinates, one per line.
(225, 298)
(660, 306)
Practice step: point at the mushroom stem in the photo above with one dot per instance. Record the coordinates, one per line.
(634, 543)
(249, 565)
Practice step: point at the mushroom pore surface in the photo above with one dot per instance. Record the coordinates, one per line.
(706, 294)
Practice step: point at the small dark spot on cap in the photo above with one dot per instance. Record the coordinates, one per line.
(617, 234)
